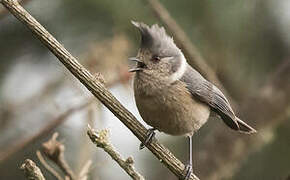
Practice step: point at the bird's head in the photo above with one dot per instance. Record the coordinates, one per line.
(158, 53)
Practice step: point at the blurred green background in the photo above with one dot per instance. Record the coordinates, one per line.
(245, 42)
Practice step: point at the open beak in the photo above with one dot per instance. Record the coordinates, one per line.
(140, 64)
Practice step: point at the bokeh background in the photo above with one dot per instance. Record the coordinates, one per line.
(245, 42)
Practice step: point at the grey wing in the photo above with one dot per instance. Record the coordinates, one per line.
(208, 93)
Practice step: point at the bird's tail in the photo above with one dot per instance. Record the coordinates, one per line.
(244, 128)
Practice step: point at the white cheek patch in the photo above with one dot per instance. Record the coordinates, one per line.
(181, 70)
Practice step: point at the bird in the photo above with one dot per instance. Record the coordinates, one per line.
(171, 96)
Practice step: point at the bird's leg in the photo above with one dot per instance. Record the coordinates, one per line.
(150, 134)
(188, 167)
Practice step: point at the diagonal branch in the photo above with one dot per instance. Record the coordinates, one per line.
(4, 12)
(96, 88)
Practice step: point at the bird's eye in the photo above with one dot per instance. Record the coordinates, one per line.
(155, 58)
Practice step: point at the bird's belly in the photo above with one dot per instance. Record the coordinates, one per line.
(173, 111)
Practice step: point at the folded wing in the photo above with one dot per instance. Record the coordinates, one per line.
(208, 93)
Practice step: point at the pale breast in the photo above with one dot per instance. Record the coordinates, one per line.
(170, 108)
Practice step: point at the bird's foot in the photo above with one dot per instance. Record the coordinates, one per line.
(188, 171)
(150, 134)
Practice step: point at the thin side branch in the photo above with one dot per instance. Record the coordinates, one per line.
(47, 166)
(54, 150)
(31, 171)
(83, 175)
(96, 88)
(101, 139)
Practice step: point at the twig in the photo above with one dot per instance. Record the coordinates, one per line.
(4, 155)
(47, 166)
(54, 150)
(83, 175)
(101, 139)
(96, 88)
(31, 171)
(85, 152)
(188, 48)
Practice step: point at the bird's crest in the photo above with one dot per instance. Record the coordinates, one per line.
(155, 38)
